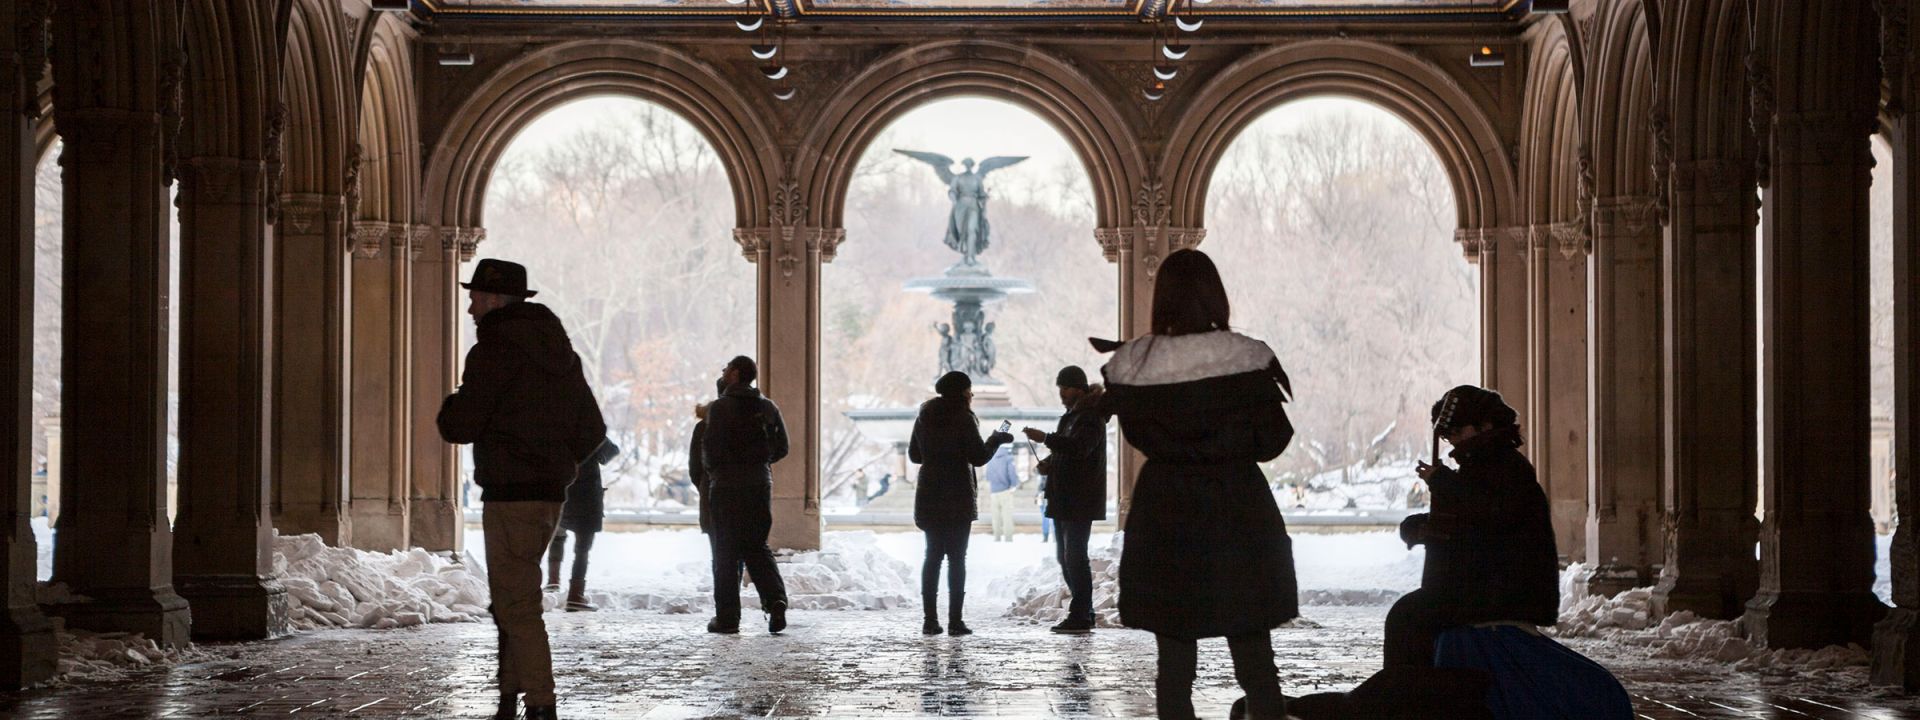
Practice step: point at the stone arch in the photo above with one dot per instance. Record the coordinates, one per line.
(1042, 83)
(1704, 78)
(1619, 102)
(483, 126)
(1433, 103)
(1550, 131)
(388, 175)
(231, 81)
(318, 96)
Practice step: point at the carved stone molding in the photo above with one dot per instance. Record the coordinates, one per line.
(1472, 243)
(1662, 125)
(1571, 238)
(106, 135)
(1821, 138)
(419, 237)
(309, 213)
(1150, 205)
(221, 180)
(276, 129)
(789, 245)
(1627, 216)
(369, 238)
(1717, 181)
(470, 239)
(1111, 240)
(398, 235)
(1760, 111)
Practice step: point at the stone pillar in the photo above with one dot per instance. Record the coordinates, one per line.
(1138, 249)
(1624, 457)
(1817, 549)
(223, 540)
(437, 310)
(309, 461)
(27, 648)
(1557, 358)
(1896, 640)
(1501, 255)
(1710, 416)
(114, 544)
(376, 474)
(787, 257)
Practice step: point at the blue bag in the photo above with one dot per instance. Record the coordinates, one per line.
(1534, 678)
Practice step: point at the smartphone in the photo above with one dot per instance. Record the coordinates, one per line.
(1005, 426)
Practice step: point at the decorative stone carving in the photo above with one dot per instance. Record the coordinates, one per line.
(1662, 125)
(173, 72)
(1571, 238)
(220, 180)
(1760, 112)
(1626, 217)
(419, 237)
(470, 240)
(303, 214)
(1150, 205)
(1714, 181)
(350, 181)
(399, 235)
(276, 129)
(369, 238)
(1111, 240)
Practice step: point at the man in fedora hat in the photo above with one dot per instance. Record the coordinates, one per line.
(525, 405)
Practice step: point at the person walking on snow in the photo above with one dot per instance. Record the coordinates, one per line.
(745, 436)
(525, 406)
(1002, 481)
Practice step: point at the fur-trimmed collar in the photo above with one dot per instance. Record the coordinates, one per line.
(1169, 359)
(1091, 399)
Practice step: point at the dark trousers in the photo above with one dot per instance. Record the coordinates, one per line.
(950, 544)
(1070, 550)
(1252, 667)
(582, 546)
(1415, 623)
(741, 520)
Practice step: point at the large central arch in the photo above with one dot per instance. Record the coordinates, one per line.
(1432, 102)
(1037, 81)
(464, 156)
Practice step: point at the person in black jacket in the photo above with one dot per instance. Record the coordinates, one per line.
(1206, 553)
(525, 405)
(745, 436)
(1489, 535)
(946, 443)
(582, 515)
(1076, 488)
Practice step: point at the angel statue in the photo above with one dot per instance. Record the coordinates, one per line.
(967, 223)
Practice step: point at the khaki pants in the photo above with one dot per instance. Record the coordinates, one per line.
(517, 534)
(1002, 503)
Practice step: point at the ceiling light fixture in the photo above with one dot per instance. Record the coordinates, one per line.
(1548, 7)
(783, 92)
(1165, 72)
(1487, 57)
(773, 72)
(1185, 26)
(392, 5)
(736, 2)
(765, 52)
(749, 23)
(1155, 91)
(456, 59)
(1175, 51)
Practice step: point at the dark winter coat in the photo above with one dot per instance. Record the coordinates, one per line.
(1206, 552)
(745, 436)
(1077, 468)
(946, 443)
(1489, 534)
(525, 405)
(697, 473)
(586, 505)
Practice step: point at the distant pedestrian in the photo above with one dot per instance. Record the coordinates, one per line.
(1002, 482)
(1076, 488)
(745, 436)
(1206, 553)
(582, 515)
(525, 406)
(946, 443)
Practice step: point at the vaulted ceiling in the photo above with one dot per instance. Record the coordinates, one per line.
(1117, 9)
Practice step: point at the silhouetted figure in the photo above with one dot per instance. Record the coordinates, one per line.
(582, 515)
(1489, 537)
(1075, 491)
(946, 443)
(745, 436)
(525, 405)
(1206, 553)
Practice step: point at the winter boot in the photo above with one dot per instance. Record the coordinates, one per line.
(776, 616)
(955, 626)
(542, 713)
(723, 628)
(577, 598)
(932, 624)
(509, 707)
(553, 578)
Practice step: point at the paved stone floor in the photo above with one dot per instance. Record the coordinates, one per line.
(836, 665)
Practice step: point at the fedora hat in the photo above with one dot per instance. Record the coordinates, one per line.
(501, 278)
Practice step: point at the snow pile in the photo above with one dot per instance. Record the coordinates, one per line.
(1369, 568)
(850, 572)
(343, 587)
(86, 656)
(1627, 619)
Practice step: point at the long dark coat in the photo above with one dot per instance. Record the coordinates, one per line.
(946, 443)
(586, 497)
(1489, 535)
(1206, 552)
(1077, 470)
(525, 405)
(697, 472)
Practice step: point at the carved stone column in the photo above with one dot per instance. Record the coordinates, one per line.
(1501, 255)
(787, 257)
(1896, 640)
(223, 532)
(114, 543)
(1557, 360)
(1624, 465)
(1711, 469)
(310, 362)
(1138, 249)
(27, 648)
(437, 312)
(377, 474)
(1817, 550)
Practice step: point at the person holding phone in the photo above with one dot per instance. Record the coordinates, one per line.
(946, 444)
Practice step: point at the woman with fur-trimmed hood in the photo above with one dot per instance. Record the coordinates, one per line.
(1206, 552)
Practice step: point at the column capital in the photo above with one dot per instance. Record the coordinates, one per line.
(222, 180)
(369, 238)
(1716, 181)
(1485, 242)
(105, 135)
(1150, 244)
(309, 213)
(1825, 137)
(1622, 215)
(1569, 238)
(787, 245)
